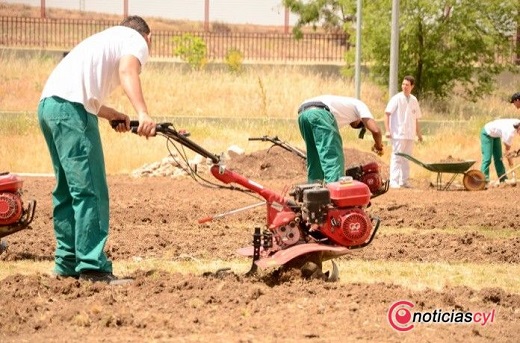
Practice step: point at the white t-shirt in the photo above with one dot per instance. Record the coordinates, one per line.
(503, 129)
(90, 71)
(345, 109)
(404, 112)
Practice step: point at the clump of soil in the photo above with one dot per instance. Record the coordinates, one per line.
(451, 159)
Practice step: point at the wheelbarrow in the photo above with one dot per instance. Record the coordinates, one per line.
(473, 180)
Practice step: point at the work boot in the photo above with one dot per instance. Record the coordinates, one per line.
(3, 246)
(109, 278)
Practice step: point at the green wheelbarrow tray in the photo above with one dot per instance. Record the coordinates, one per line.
(473, 180)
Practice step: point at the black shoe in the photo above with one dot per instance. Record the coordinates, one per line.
(97, 276)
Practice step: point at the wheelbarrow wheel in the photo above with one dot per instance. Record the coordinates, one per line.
(474, 180)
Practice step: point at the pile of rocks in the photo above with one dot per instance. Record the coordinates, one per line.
(175, 166)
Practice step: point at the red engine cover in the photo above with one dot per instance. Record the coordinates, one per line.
(11, 208)
(10, 183)
(347, 227)
(349, 194)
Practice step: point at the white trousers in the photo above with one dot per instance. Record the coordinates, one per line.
(400, 166)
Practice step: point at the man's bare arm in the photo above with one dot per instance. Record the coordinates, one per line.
(129, 70)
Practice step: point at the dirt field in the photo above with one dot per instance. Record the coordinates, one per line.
(156, 218)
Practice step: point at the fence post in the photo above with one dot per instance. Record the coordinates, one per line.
(42, 8)
(206, 15)
(286, 23)
(517, 47)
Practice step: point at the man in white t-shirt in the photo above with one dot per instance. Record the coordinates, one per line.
(319, 119)
(402, 126)
(71, 103)
(492, 136)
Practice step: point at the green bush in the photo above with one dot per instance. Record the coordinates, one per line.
(192, 50)
(234, 59)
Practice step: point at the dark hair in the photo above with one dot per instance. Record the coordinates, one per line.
(410, 79)
(359, 125)
(137, 23)
(516, 126)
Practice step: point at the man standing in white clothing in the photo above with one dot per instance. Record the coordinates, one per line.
(71, 103)
(402, 126)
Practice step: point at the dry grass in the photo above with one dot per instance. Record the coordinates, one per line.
(418, 275)
(475, 276)
(260, 101)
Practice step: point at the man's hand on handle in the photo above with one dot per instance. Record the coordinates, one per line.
(146, 125)
(378, 150)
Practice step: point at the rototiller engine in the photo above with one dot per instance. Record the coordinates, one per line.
(13, 216)
(314, 223)
(319, 223)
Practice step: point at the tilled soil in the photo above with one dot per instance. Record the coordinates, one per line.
(157, 218)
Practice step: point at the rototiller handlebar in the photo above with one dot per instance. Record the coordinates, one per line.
(180, 136)
(276, 141)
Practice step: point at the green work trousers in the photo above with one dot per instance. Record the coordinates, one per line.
(491, 149)
(325, 159)
(80, 199)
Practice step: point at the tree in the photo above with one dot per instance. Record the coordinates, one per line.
(445, 44)
(331, 15)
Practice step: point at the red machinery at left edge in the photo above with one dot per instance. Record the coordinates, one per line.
(13, 215)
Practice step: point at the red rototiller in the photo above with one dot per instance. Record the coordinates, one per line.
(13, 216)
(312, 224)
